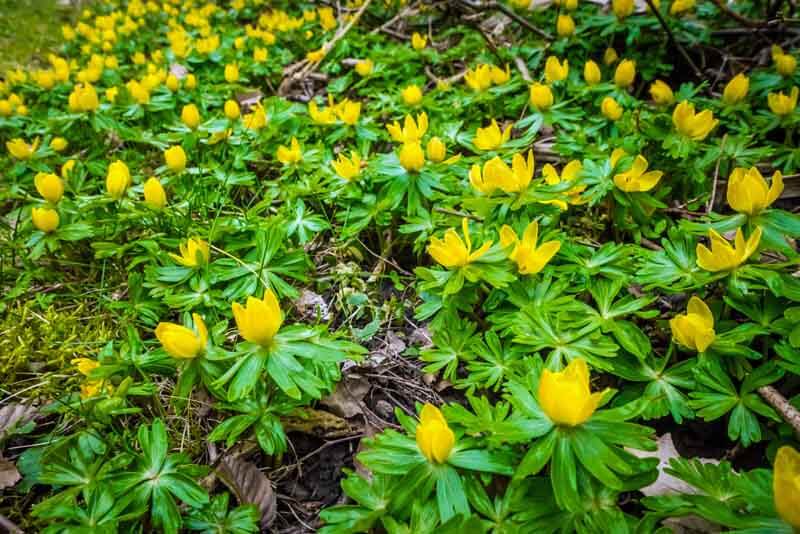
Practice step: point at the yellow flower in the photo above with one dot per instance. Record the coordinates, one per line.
(118, 179)
(412, 95)
(695, 126)
(610, 55)
(324, 116)
(194, 252)
(636, 179)
(785, 64)
(83, 98)
(418, 41)
(565, 396)
(348, 169)
(20, 149)
(348, 111)
(231, 73)
(154, 194)
(530, 259)
(679, 6)
(782, 105)
(181, 342)
(497, 175)
(436, 150)
(541, 97)
(256, 119)
(411, 156)
(412, 131)
(435, 439)
(785, 487)
(500, 76)
(45, 79)
(748, 192)
(45, 219)
(290, 156)
(111, 94)
(625, 73)
(611, 109)
(569, 173)
(622, 8)
(736, 89)
(695, 328)
(316, 56)
(661, 93)
(326, 18)
(49, 186)
(231, 109)
(591, 73)
(452, 251)
(190, 82)
(260, 54)
(85, 365)
(58, 144)
(138, 91)
(66, 169)
(555, 71)
(479, 79)
(723, 256)
(364, 67)
(490, 137)
(259, 320)
(172, 83)
(190, 116)
(565, 26)
(175, 158)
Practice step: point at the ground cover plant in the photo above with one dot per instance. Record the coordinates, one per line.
(400, 266)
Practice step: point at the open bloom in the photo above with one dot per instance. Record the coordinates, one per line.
(500, 76)
(256, 119)
(291, 155)
(541, 97)
(591, 73)
(625, 73)
(736, 89)
(452, 251)
(786, 485)
(781, 104)
(20, 149)
(434, 437)
(181, 342)
(45, 219)
(611, 109)
(748, 192)
(49, 186)
(723, 256)
(568, 174)
(695, 328)
(418, 41)
(324, 116)
(479, 79)
(347, 169)
(529, 257)
(661, 93)
(497, 175)
(175, 158)
(411, 131)
(636, 179)
(154, 194)
(490, 137)
(693, 125)
(565, 396)
(348, 111)
(194, 252)
(260, 319)
(411, 156)
(118, 179)
(412, 95)
(83, 98)
(555, 71)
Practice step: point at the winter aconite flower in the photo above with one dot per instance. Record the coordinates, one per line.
(118, 179)
(154, 194)
(479, 79)
(194, 252)
(412, 95)
(695, 328)
(610, 55)
(736, 89)
(20, 149)
(611, 109)
(59, 144)
(569, 173)
(231, 109)
(723, 256)
(625, 73)
(622, 8)
(453, 251)
(259, 319)
(231, 73)
(290, 155)
(679, 6)
(182, 342)
(661, 93)
(785, 64)
(256, 119)
(497, 175)
(781, 104)
(748, 192)
(529, 257)
(490, 137)
(435, 439)
(83, 98)
(45, 219)
(418, 41)
(636, 179)
(49, 186)
(785, 487)
(565, 396)
(175, 158)
(436, 150)
(541, 97)
(190, 116)
(348, 111)
(411, 156)
(411, 131)
(565, 26)
(695, 126)
(555, 71)
(591, 73)
(347, 169)
(364, 67)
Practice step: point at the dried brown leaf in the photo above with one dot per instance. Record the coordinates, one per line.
(250, 486)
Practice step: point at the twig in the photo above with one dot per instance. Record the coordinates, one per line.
(523, 69)
(789, 413)
(407, 11)
(697, 72)
(8, 526)
(458, 213)
(522, 21)
(710, 204)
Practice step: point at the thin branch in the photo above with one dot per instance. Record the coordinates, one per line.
(522, 21)
(697, 72)
(710, 204)
(789, 413)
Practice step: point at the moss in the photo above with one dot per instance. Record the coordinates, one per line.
(30, 28)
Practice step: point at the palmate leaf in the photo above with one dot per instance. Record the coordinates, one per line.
(674, 268)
